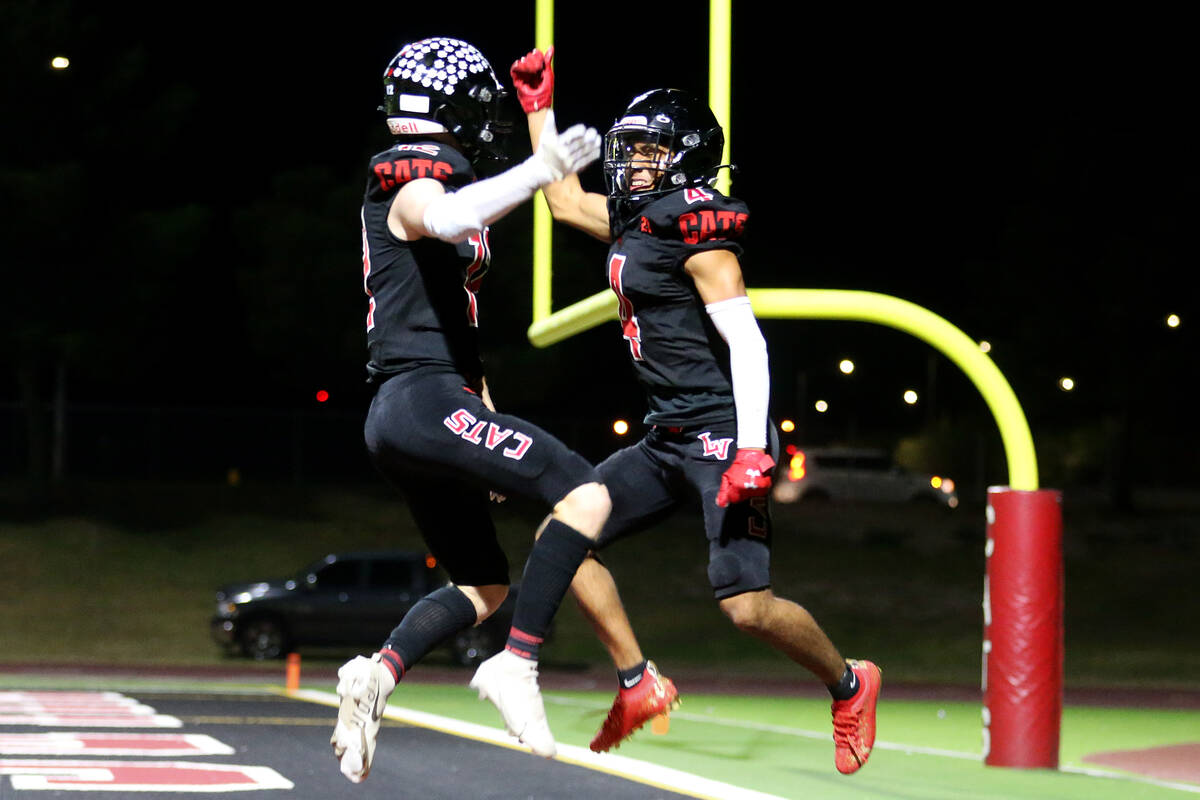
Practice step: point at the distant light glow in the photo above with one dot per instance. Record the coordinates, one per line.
(322, 396)
(985, 346)
(787, 426)
(846, 366)
(60, 62)
(935, 482)
(910, 397)
(821, 406)
(790, 449)
(1066, 384)
(1173, 321)
(620, 427)
(796, 466)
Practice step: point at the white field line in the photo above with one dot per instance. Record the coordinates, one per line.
(641, 771)
(824, 736)
(1121, 776)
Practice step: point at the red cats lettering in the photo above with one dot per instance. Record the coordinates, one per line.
(394, 173)
(705, 224)
(465, 425)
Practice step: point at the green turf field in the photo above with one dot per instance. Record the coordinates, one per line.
(782, 746)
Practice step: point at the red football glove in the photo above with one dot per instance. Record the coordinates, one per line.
(533, 77)
(748, 476)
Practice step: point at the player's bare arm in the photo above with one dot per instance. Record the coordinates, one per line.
(718, 278)
(533, 77)
(485, 394)
(406, 216)
(717, 275)
(569, 203)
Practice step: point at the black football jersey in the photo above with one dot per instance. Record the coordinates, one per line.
(680, 359)
(421, 295)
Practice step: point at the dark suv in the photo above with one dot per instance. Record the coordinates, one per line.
(344, 599)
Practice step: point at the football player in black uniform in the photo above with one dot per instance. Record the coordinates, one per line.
(673, 262)
(432, 429)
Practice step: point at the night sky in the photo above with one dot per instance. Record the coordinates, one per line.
(181, 205)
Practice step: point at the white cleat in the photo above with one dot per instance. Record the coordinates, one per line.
(363, 686)
(510, 682)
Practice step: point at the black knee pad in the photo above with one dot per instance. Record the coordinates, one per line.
(724, 571)
(743, 566)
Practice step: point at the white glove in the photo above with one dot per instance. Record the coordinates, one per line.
(454, 216)
(563, 154)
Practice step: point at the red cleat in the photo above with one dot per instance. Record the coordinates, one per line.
(854, 719)
(633, 708)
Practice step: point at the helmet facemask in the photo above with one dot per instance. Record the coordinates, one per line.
(666, 140)
(637, 161)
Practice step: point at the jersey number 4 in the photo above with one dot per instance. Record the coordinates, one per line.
(630, 328)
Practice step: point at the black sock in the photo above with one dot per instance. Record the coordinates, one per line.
(847, 687)
(435, 617)
(631, 677)
(552, 564)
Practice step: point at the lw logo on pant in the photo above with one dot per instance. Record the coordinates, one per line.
(465, 425)
(718, 449)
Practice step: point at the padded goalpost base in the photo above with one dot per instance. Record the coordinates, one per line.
(1023, 628)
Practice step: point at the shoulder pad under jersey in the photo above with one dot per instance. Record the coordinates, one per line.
(405, 162)
(695, 216)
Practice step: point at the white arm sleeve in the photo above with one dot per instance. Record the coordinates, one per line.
(454, 216)
(734, 320)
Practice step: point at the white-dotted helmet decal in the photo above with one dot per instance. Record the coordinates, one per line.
(438, 64)
(444, 85)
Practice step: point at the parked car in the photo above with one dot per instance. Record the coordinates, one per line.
(814, 474)
(343, 599)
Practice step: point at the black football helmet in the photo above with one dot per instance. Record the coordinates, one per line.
(669, 121)
(443, 85)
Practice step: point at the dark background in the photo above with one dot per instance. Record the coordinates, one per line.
(181, 254)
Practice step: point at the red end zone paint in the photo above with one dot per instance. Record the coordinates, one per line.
(79, 710)
(109, 709)
(1176, 762)
(133, 776)
(74, 743)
